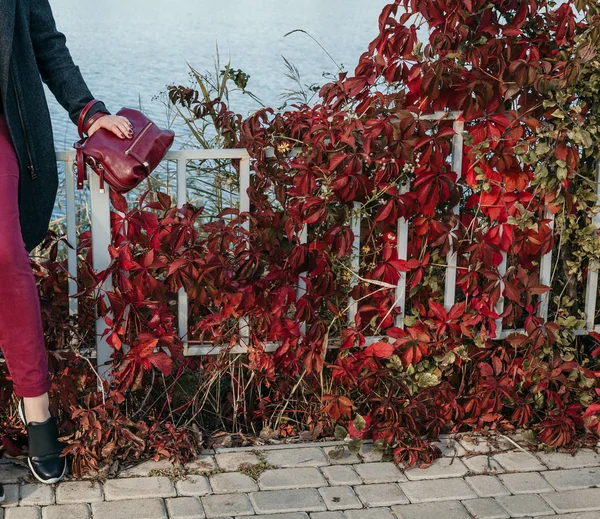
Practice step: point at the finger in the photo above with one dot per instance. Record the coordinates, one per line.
(125, 126)
(126, 122)
(116, 130)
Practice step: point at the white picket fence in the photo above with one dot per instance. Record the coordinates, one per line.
(100, 224)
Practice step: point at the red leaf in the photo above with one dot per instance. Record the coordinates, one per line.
(381, 350)
(162, 361)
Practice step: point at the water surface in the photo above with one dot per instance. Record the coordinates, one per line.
(130, 50)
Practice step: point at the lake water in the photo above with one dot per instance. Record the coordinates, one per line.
(130, 50)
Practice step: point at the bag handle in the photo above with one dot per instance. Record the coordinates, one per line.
(80, 159)
(79, 163)
(82, 115)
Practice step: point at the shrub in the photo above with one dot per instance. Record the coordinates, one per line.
(524, 76)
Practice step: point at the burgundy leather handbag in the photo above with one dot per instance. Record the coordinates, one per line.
(122, 163)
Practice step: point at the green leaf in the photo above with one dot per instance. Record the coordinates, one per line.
(359, 422)
(354, 445)
(340, 432)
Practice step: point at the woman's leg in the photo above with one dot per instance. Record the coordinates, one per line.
(21, 332)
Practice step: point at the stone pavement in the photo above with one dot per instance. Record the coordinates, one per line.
(479, 478)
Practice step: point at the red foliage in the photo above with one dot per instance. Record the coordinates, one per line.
(494, 63)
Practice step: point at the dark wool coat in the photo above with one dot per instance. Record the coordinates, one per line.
(32, 50)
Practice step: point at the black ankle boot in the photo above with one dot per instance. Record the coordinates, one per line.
(44, 458)
(1, 493)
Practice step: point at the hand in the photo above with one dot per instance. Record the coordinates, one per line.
(117, 124)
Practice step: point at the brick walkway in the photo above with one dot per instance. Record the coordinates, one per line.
(476, 478)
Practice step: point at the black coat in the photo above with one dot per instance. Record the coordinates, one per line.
(32, 50)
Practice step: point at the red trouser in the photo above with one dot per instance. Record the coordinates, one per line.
(21, 332)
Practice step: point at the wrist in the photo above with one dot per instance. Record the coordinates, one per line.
(91, 121)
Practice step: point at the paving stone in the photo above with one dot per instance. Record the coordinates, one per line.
(303, 457)
(450, 447)
(23, 512)
(440, 468)
(369, 454)
(297, 500)
(382, 472)
(130, 509)
(487, 486)
(280, 445)
(437, 490)
(518, 461)
(297, 477)
(445, 510)
(485, 508)
(370, 513)
(76, 511)
(339, 498)
(341, 475)
(145, 467)
(341, 457)
(381, 494)
(138, 488)
(525, 483)
(78, 492)
(11, 496)
(230, 461)
(34, 494)
(193, 485)
(563, 460)
(524, 505)
(229, 482)
(204, 463)
(574, 500)
(319, 515)
(573, 479)
(482, 465)
(578, 515)
(13, 473)
(184, 508)
(223, 505)
(293, 515)
(484, 445)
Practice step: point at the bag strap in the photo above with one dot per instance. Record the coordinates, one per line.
(82, 115)
(80, 163)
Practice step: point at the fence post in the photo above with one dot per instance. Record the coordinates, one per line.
(244, 207)
(500, 304)
(71, 234)
(592, 282)
(545, 273)
(182, 297)
(352, 304)
(402, 245)
(457, 156)
(101, 239)
(301, 290)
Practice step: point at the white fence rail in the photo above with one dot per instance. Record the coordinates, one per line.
(100, 222)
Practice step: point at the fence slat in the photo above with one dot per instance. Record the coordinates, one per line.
(352, 304)
(71, 235)
(457, 156)
(301, 289)
(500, 304)
(545, 273)
(244, 207)
(182, 297)
(592, 283)
(101, 235)
(402, 246)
